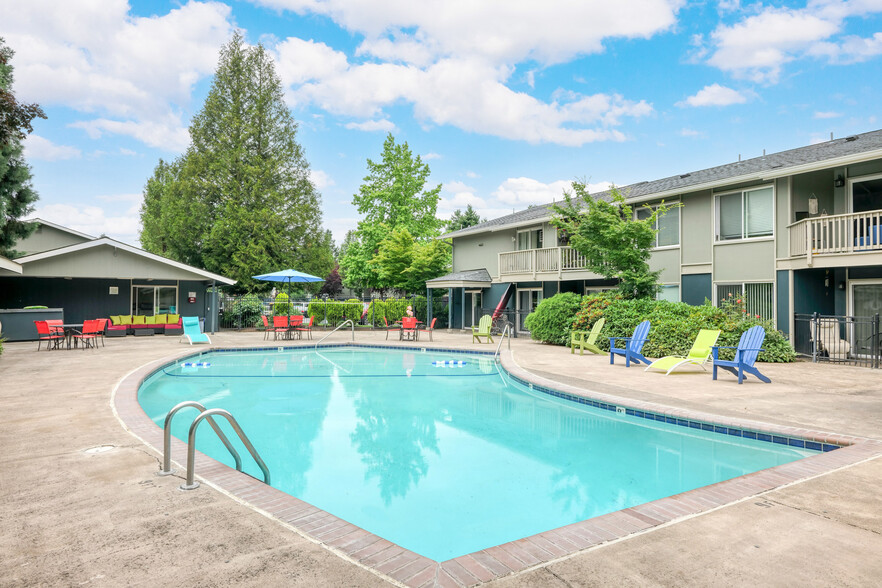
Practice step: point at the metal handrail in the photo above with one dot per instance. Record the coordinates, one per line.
(191, 446)
(166, 441)
(506, 330)
(337, 328)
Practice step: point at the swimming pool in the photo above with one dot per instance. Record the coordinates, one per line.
(445, 459)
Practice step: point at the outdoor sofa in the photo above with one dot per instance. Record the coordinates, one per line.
(138, 325)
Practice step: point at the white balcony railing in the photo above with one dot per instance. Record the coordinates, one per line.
(838, 234)
(552, 260)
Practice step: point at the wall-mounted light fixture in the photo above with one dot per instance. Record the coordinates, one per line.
(839, 181)
(842, 285)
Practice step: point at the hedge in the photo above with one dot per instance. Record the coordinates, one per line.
(674, 324)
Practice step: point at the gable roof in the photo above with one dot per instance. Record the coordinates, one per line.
(835, 153)
(9, 265)
(61, 228)
(102, 242)
(479, 278)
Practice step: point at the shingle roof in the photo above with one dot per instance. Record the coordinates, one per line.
(478, 275)
(775, 164)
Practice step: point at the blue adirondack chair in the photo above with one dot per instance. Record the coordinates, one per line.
(633, 346)
(745, 355)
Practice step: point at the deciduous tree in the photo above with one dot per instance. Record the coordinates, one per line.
(614, 243)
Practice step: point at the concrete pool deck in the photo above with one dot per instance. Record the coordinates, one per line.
(74, 518)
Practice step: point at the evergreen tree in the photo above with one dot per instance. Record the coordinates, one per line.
(240, 201)
(461, 220)
(17, 196)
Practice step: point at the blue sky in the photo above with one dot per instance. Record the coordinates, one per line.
(508, 101)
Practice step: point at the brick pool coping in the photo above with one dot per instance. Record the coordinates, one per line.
(410, 569)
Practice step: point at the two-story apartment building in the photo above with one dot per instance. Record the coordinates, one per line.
(798, 231)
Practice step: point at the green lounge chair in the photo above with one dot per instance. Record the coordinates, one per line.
(578, 339)
(699, 355)
(746, 353)
(483, 329)
(192, 331)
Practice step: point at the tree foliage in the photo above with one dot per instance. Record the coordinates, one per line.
(239, 202)
(15, 117)
(17, 196)
(333, 284)
(614, 243)
(462, 219)
(393, 247)
(394, 192)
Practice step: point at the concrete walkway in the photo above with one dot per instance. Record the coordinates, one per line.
(73, 517)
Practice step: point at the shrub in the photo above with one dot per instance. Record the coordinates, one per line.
(676, 324)
(282, 306)
(552, 320)
(246, 311)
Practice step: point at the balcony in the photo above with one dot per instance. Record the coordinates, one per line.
(837, 235)
(552, 262)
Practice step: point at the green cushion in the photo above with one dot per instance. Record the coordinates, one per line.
(125, 319)
(173, 319)
(149, 320)
(139, 319)
(160, 319)
(114, 320)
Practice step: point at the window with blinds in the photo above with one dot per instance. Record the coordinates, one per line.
(759, 297)
(667, 225)
(745, 215)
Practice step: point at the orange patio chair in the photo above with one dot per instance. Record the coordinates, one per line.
(280, 326)
(408, 328)
(306, 328)
(430, 329)
(89, 335)
(266, 327)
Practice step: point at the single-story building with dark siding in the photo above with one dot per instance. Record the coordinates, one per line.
(92, 277)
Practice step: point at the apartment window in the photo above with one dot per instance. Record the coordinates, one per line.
(759, 297)
(667, 225)
(530, 239)
(669, 292)
(746, 214)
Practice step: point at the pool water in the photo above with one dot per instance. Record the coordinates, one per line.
(445, 459)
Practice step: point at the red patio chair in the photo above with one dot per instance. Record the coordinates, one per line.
(294, 321)
(47, 334)
(89, 334)
(306, 328)
(391, 328)
(280, 325)
(56, 325)
(430, 329)
(266, 327)
(102, 329)
(408, 328)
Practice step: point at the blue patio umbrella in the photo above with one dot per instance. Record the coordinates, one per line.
(288, 275)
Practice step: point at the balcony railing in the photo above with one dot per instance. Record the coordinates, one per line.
(837, 234)
(552, 260)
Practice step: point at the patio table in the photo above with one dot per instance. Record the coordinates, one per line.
(69, 330)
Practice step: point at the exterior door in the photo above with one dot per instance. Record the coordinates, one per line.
(476, 307)
(866, 301)
(527, 301)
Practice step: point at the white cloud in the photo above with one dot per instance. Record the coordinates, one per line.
(495, 31)
(522, 192)
(690, 133)
(95, 57)
(372, 125)
(758, 46)
(824, 115)
(714, 95)
(163, 133)
(40, 148)
(94, 220)
(431, 155)
(320, 179)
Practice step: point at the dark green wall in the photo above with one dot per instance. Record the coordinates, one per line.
(782, 302)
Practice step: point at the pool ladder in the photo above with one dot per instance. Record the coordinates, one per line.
(205, 414)
(505, 331)
(340, 326)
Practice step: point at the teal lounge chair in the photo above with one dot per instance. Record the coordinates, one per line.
(192, 331)
(745, 355)
(699, 355)
(633, 346)
(586, 340)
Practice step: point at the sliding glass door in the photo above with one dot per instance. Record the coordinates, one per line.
(151, 300)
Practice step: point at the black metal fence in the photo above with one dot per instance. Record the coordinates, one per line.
(851, 340)
(247, 311)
